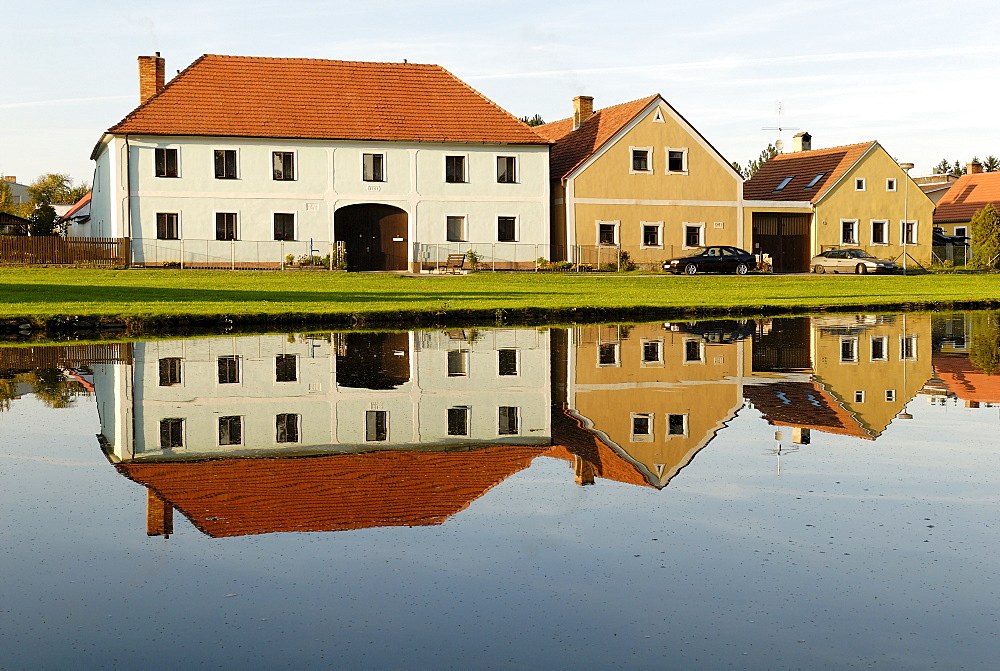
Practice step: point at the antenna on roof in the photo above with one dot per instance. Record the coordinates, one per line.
(779, 143)
(405, 61)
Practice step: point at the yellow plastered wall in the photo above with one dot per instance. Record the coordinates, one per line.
(861, 385)
(875, 203)
(706, 392)
(609, 177)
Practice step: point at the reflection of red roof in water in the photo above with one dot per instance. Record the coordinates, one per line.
(238, 497)
(803, 404)
(570, 439)
(965, 381)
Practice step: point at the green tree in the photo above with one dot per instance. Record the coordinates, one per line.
(8, 205)
(984, 346)
(985, 227)
(753, 166)
(991, 164)
(56, 188)
(945, 167)
(43, 221)
(536, 120)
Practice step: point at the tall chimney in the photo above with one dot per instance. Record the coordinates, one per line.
(150, 76)
(583, 109)
(802, 142)
(973, 168)
(159, 515)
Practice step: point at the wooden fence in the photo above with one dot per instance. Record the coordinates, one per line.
(53, 249)
(70, 356)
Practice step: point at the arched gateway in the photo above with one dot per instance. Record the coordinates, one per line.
(374, 236)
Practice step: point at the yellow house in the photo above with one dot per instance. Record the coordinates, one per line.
(637, 178)
(808, 201)
(652, 394)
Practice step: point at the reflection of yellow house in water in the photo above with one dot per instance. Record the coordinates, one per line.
(651, 395)
(865, 369)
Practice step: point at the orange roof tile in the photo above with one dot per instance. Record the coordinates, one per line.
(79, 205)
(301, 98)
(968, 383)
(237, 497)
(806, 405)
(803, 167)
(967, 196)
(570, 439)
(573, 147)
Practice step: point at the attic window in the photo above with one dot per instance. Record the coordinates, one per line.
(658, 116)
(783, 184)
(815, 180)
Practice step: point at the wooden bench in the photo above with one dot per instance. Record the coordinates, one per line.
(455, 263)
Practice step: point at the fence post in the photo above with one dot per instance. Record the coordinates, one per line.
(232, 254)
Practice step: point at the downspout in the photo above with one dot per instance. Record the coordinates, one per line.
(128, 200)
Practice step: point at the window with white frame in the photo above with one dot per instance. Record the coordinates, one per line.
(171, 433)
(286, 427)
(166, 162)
(507, 360)
(231, 430)
(607, 232)
(458, 362)
(879, 348)
(286, 368)
(455, 225)
(170, 371)
(859, 396)
(454, 169)
(284, 225)
(506, 229)
(608, 354)
(890, 184)
(848, 231)
(642, 160)
(225, 163)
(859, 184)
(166, 226)
(652, 234)
(506, 169)
(908, 348)
(961, 231)
(373, 167)
(229, 369)
(907, 232)
(376, 425)
(694, 235)
(677, 160)
(694, 351)
(880, 232)
(677, 425)
(458, 420)
(225, 226)
(283, 165)
(652, 351)
(849, 350)
(642, 427)
(890, 395)
(508, 420)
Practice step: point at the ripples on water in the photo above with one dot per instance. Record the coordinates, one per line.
(813, 493)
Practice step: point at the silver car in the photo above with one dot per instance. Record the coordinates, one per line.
(850, 261)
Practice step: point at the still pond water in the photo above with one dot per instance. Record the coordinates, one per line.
(801, 493)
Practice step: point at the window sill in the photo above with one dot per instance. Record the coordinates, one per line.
(650, 246)
(640, 172)
(676, 172)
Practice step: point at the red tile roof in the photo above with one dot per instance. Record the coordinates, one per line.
(570, 439)
(965, 380)
(573, 147)
(802, 167)
(967, 196)
(239, 96)
(807, 405)
(237, 497)
(79, 205)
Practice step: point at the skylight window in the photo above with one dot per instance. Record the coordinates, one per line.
(815, 180)
(783, 183)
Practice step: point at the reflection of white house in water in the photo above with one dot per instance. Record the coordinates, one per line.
(326, 393)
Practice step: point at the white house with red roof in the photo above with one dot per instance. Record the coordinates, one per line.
(244, 162)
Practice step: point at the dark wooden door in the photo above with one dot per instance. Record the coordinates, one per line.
(374, 236)
(374, 360)
(785, 237)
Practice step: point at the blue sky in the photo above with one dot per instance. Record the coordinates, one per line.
(918, 76)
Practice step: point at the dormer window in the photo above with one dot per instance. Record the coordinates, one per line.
(784, 182)
(815, 180)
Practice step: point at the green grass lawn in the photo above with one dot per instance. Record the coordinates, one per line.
(46, 292)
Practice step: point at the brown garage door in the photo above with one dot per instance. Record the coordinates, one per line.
(785, 237)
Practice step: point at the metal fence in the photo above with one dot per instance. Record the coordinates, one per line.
(956, 255)
(232, 254)
(56, 250)
(541, 257)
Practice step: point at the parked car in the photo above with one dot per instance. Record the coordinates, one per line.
(850, 261)
(717, 259)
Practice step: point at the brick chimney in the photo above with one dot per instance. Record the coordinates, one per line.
(583, 109)
(159, 515)
(150, 76)
(973, 168)
(802, 142)
(10, 178)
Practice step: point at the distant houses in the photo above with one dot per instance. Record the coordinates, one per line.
(255, 162)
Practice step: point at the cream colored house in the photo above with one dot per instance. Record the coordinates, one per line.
(638, 178)
(856, 196)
